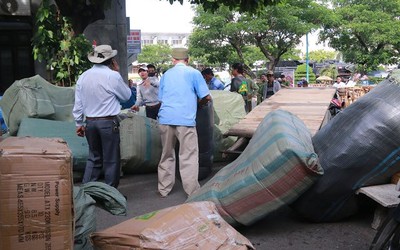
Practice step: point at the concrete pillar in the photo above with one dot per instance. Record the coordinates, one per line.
(113, 31)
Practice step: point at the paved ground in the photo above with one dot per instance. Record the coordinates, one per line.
(280, 230)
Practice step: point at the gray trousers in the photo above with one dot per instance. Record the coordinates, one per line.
(188, 158)
(104, 151)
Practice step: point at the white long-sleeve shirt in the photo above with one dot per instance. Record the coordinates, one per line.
(98, 93)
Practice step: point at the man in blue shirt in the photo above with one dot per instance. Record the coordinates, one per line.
(182, 89)
(212, 82)
(132, 100)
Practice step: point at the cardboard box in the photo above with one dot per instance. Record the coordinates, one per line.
(36, 201)
(194, 225)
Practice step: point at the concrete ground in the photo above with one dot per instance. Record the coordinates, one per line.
(282, 229)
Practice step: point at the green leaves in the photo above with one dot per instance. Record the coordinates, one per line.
(55, 43)
(364, 31)
(157, 54)
(274, 30)
(241, 5)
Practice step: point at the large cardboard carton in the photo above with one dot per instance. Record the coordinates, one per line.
(36, 204)
(194, 225)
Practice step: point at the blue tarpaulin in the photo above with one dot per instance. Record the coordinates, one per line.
(3, 126)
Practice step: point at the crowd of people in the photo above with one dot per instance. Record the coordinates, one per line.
(173, 99)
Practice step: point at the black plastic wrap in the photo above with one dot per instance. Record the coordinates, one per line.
(358, 147)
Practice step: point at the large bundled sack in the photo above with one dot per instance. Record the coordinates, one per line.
(86, 198)
(63, 129)
(140, 144)
(228, 110)
(37, 98)
(205, 127)
(276, 167)
(358, 147)
(194, 225)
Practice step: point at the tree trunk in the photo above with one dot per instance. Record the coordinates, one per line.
(80, 13)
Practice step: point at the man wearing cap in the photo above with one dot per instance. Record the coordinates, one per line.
(182, 91)
(98, 93)
(269, 85)
(147, 94)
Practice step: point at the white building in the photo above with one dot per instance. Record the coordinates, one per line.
(172, 39)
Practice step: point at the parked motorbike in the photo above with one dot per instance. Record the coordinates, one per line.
(335, 106)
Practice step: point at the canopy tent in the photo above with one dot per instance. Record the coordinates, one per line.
(324, 78)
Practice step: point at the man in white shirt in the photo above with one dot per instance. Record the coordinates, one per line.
(339, 83)
(98, 93)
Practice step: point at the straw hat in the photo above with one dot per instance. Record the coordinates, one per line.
(102, 53)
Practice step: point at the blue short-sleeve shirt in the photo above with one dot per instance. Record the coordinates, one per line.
(180, 89)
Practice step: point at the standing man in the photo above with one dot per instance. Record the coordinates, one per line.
(339, 83)
(212, 82)
(180, 89)
(269, 85)
(285, 83)
(98, 93)
(147, 94)
(246, 87)
(132, 100)
(151, 69)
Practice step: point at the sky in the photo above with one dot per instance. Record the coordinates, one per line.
(159, 16)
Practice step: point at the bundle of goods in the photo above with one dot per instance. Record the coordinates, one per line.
(276, 167)
(358, 148)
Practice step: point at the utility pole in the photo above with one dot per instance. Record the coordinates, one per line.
(307, 61)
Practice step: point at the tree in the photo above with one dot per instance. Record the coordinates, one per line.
(157, 54)
(366, 32)
(56, 43)
(292, 54)
(330, 71)
(301, 72)
(242, 5)
(321, 55)
(83, 12)
(275, 31)
(278, 28)
(219, 36)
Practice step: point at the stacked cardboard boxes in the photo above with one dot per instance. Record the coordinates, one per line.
(36, 204)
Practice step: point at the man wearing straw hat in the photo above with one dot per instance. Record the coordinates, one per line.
(98, 93)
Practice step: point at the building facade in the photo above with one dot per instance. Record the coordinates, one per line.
(172, 39)
(17, 29)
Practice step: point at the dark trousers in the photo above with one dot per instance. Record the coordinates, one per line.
(104, 151)
(152, 111)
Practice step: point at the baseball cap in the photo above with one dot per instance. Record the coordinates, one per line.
(142, 68)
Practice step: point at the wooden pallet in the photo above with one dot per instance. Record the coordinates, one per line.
(309, 104)
(386, 196)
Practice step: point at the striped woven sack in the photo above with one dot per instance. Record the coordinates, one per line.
(140, 144)
(277, 166)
